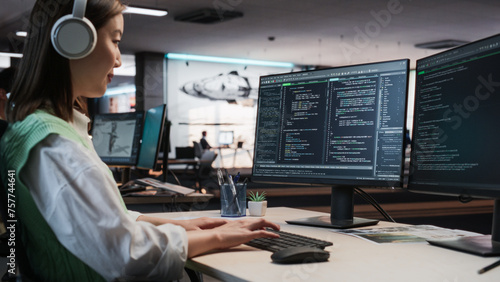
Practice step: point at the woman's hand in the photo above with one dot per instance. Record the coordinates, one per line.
(231, 234)
(206, 234)
(188, 224)
(200, 223)
(237, 232)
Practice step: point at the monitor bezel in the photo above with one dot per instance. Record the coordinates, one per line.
(337, 181)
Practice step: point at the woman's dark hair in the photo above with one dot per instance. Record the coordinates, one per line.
(43, 78)
(7, 78)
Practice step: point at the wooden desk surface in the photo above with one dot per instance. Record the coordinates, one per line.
(183, 161)
(191, 198)
(352, 259)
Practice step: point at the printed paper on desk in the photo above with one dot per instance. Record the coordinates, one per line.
(406, 234)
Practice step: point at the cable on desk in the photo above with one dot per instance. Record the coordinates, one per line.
(367, 197)
(175, 176)
(174, 203)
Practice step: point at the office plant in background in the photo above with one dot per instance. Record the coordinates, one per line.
(257, 204)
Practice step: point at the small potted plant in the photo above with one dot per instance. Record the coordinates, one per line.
(257, 205)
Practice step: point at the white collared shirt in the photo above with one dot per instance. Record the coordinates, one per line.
(80, 201)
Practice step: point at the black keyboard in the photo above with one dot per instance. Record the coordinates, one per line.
(287, 240)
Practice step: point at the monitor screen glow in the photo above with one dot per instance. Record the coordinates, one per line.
(342, 125)
(226, 138)
(116, 137)
(152, 137)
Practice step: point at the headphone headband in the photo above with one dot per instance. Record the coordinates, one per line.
(79, 9)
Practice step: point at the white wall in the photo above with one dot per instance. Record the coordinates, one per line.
(222, 109)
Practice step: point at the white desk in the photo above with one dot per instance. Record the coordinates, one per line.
(351, 259)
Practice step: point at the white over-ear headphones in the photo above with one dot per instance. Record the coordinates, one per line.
(74, 36)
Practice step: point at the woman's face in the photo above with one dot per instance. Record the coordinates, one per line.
(91, 75)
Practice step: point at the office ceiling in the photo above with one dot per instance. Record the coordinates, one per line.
(316, 32)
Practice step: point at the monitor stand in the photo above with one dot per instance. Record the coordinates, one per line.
(125, 175)
(486, 245)
(341, 214)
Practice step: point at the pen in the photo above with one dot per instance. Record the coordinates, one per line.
(489, 267)
(237, 177)
(220, 177)
(235, 194)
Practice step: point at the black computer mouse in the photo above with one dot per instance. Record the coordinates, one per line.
(300, 255)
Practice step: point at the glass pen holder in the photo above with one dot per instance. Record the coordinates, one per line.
(233, 200)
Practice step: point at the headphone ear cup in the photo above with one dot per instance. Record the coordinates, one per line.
(73, 38)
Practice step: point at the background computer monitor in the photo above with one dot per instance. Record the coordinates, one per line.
(117, 137)
(152, 137)
(341, 126)
(455, 148)
(226, 138)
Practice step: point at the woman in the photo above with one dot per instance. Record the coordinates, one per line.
(72, 222)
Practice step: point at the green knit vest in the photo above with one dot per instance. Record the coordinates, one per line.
(41, 256)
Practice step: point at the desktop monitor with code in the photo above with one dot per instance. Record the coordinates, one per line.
(455, 148)
(343, 127)
(117, 137)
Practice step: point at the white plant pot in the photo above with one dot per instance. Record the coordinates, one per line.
(257, 208)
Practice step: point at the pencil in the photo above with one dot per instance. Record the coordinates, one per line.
(489, 267)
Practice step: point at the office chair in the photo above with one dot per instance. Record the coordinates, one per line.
(206, 161)
(205, 174)
(198, 150)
